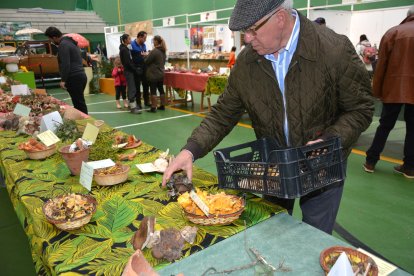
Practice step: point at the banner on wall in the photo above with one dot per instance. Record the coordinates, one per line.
(169, 21)
(196, 37)
(208, 16)
(134, 28)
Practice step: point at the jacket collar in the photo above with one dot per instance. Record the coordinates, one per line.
(307, 44)
(408, 19)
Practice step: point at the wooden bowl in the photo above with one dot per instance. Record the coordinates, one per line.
(72, 224)
(41, 154)
(112, 179)
(329, 256)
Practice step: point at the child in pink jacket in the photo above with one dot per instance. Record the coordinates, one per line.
(120, 82)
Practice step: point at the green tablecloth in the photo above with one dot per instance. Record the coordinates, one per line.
(104, 245)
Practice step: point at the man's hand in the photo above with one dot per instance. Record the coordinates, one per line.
(183, 161)
(62, 85)
(314, 142)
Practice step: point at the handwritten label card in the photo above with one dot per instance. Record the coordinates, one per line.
(105, 163)
(22, 110)
(197, 200)
(50, 121)
(20, 89)
(384, 268)
(90, 133)
(86, 176)
(48, 138)
(147, 168)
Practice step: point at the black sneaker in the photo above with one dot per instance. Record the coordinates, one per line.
(153, 110)
(406, 172)
(161, 107)
(369, 168)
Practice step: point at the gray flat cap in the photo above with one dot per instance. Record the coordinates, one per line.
(248, 12)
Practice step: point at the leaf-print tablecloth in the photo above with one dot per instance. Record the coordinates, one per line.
(103, 246)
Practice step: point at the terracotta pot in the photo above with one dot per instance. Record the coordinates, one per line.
(138, 265)
(74, 159)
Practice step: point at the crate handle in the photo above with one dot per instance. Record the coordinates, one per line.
(222, 157)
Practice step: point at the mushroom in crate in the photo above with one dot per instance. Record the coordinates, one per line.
(111, 175)
(70, 211)
(37, 150)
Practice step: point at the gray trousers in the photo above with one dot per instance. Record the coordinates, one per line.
(132, 91)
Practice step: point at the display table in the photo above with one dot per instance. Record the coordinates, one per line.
(202, 83)
(278, 239)
(25, 78)
(103, 246)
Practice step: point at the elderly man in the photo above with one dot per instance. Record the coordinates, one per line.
(394, 85)
(300, 83)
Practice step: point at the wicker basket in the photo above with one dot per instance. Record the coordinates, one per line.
(72, 224)
(329, 256)
(112, 179)
(215, 219)
(41, 154)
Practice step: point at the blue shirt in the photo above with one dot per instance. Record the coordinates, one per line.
(136, 52)
(281, 66)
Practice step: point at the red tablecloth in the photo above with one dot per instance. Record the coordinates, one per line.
(186, 81)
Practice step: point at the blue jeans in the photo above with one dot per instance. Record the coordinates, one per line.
(389, 116)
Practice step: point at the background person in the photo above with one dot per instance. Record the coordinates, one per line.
(394, 85)
(232, 57)
(129, 71)
(320, 21)
(299, 83)
(120, 83)
(155, 62)
(72, 74)
(139, 52)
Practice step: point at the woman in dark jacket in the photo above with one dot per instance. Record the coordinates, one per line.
(155, 72)
(129, 72)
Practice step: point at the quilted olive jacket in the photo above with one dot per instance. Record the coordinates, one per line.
(327, 88)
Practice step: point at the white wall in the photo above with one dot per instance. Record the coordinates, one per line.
(174, 38)
(375, 23)
(339, 21)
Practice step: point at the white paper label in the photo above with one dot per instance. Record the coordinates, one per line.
(197, 200)
(2, 80)
(147, 168)
(22, 110)
(50, 121)
(105, 163)
(20, 89)
(86, 176)
(48, 138)
(384, 268)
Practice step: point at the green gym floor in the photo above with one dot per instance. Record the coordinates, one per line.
(376, 211)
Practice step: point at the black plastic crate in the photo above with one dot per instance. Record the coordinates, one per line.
(263, 167)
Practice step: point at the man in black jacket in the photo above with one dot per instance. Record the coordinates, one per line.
(72, 74)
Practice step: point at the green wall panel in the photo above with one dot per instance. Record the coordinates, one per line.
(67, 5)
(139, 10)
(107, 9)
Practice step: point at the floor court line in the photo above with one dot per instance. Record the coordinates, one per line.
(154, 121)
(109, 112)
